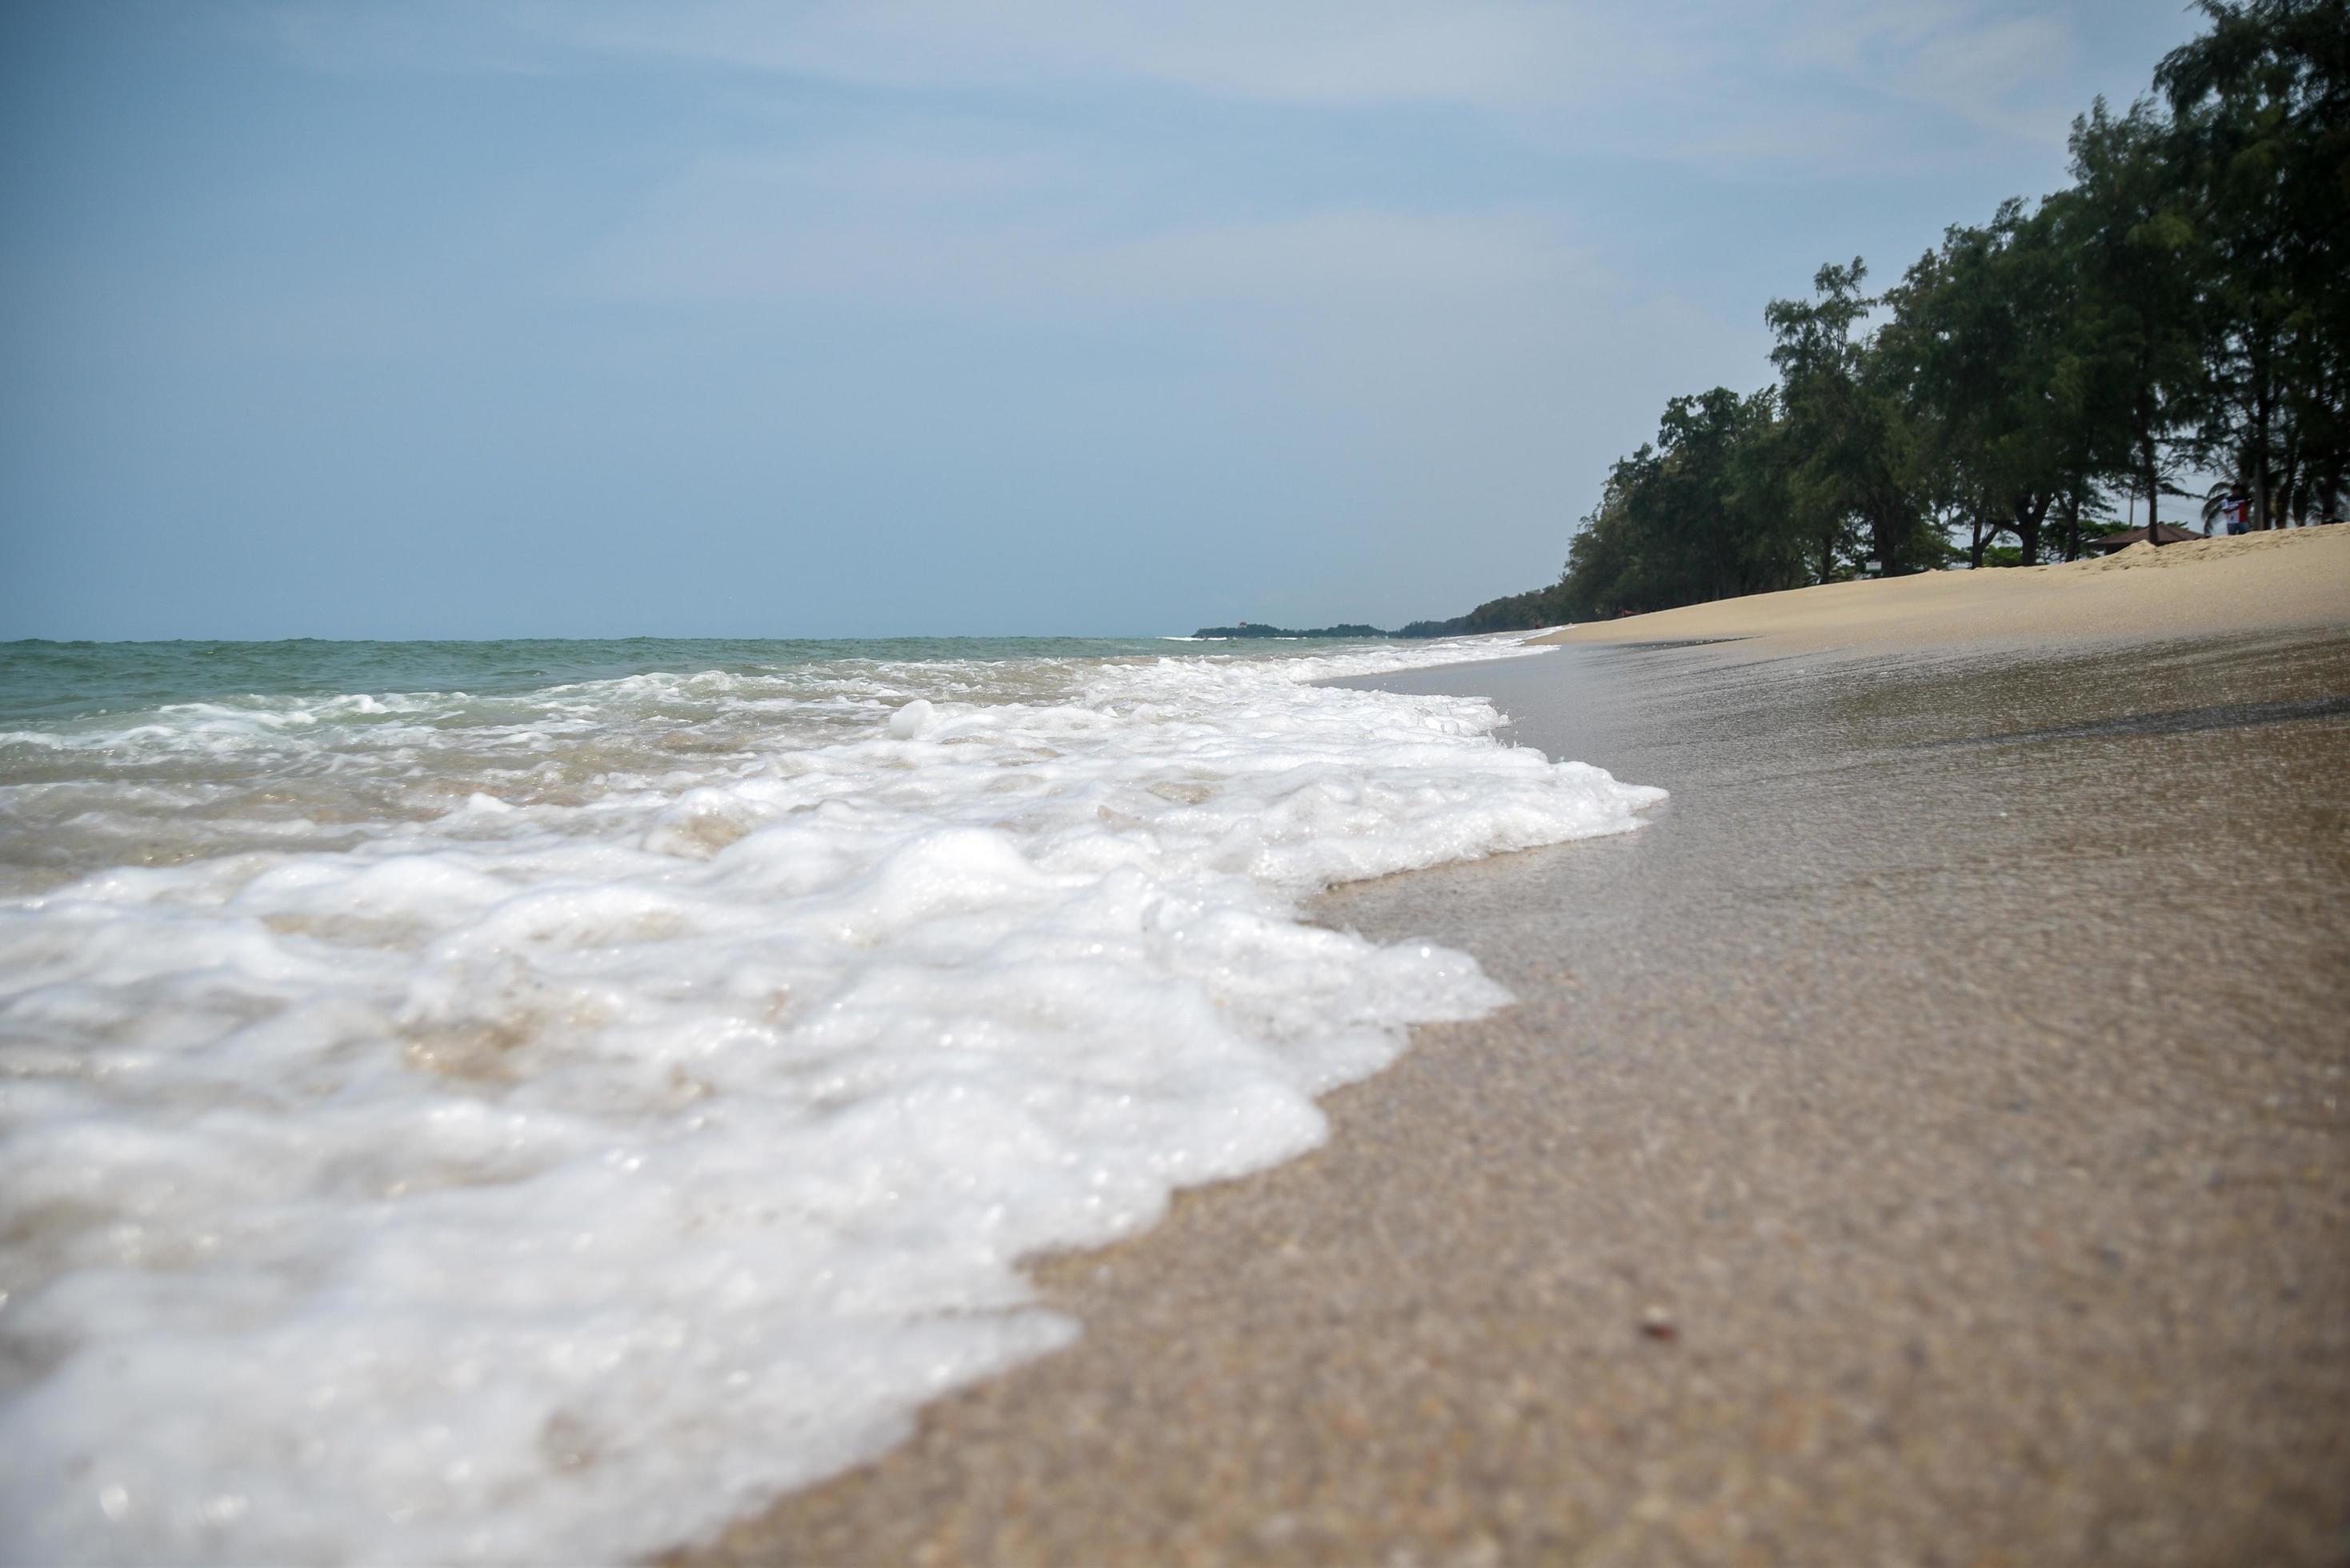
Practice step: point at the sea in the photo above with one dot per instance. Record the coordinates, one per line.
(544, 1100)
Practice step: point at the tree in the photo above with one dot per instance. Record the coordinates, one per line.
(1851, 461)
(1982, 332)
(2188, 298)
(2260, 137)
(2139, 368)
(1700, 514)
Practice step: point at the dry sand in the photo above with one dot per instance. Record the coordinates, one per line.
(2286, 579)
(1927, 1141)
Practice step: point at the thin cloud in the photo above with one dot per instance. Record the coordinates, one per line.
(1678, 79)
(1994, 69)
(890, 225)
(1311, 51)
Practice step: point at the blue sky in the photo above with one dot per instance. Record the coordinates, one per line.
(911, 316)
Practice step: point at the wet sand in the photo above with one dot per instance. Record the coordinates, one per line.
(1927, 1141)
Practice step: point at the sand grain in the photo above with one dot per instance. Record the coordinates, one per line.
(1955, 1065)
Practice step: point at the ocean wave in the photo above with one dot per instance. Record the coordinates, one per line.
(565, 1171)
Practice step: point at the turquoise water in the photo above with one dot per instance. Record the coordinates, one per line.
(520, 1101)
(46, 682)
(156, 754)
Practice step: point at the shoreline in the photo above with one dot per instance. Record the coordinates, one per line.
(1926, 1137)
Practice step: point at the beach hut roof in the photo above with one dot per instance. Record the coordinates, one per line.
(2171, 534)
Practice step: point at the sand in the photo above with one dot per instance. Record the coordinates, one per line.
(1927, 1141)
(2284, 578)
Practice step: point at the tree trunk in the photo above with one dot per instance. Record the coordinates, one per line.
(2262, 517)
(2152, 488)
(2289, 487)
(2029, 512)
(2325, 489)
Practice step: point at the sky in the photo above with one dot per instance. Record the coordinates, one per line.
(925, 317)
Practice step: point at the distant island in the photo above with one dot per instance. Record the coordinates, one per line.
(1253, 629)
(1517, 612)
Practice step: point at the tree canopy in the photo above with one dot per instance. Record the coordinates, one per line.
(2182, 304)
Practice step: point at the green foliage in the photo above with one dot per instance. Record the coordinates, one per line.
(2138, 262)
(2260, 147)
(1985, 343)
(1854, 466)
(1246, 630)
(1700, 515)
(1517, 612)
(2185, 301)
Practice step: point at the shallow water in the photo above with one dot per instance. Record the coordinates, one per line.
(543, 1099)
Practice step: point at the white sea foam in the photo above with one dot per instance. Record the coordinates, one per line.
(547, 1127)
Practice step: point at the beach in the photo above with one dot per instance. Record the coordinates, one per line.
(1923, 1142)
(807, 784)
(542, 1100)
(2284, 578)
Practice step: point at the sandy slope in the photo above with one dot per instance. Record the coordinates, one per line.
(2291, 578)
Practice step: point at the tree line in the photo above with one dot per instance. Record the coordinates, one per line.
(2182, 306)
